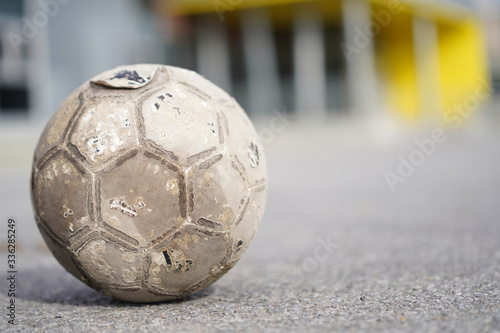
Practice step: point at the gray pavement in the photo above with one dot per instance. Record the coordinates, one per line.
(337, 249)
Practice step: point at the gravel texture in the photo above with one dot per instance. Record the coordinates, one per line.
(337, 249)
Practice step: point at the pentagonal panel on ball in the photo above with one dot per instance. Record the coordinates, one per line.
(218, 191)
(104, 129)
(180, 120)
(195, 254)
(140, 198)
(63, 196)
(109, 263)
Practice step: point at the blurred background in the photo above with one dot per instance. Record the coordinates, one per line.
(402, 60)
(347, 97)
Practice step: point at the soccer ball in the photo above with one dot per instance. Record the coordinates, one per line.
(148, 183)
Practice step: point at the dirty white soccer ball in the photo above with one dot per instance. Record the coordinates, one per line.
(148, 183)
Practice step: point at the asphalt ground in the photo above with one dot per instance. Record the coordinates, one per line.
(338, 250)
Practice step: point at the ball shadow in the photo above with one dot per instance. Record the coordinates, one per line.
(55, 285)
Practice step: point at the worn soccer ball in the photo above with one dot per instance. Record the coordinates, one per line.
(148, 183)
